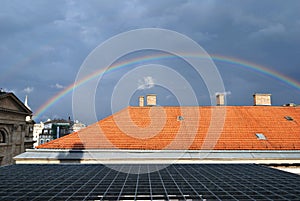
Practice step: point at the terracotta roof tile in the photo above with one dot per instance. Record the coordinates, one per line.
(221, 128)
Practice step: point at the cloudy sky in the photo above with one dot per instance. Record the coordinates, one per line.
(43, 44)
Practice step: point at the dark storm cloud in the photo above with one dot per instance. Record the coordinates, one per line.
(43, 43)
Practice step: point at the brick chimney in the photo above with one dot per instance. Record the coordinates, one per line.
(262, 99)
(141, 101)
(220, 99)
(151, 99)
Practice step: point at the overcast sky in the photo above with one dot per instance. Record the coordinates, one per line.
(44, 43)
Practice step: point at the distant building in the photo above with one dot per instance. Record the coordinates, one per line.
(77, 126)
(16, 127)
(57, 128)
(37, 130)
(52, 129)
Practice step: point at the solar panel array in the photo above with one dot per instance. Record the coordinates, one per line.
(175, 182)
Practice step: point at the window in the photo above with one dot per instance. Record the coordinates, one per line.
(260, 136)
(42, 141)
(2, 136)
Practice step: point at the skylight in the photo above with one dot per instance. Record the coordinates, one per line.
(260, 136)
(289, 118)
(180, 118)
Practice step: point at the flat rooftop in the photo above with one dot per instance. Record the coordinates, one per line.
(147, 182)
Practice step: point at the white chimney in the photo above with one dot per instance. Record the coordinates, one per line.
(220, 99)
(262, 99)
(151, 99)
(141, 101)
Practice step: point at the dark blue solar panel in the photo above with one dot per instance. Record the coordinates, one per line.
(175, 182)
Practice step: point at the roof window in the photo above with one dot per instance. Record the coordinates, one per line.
(180, 118)
(289, 118)
(260, 136)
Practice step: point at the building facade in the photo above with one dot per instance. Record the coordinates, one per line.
(37, 130)
(45, 132)
(16, 127)
(77, 126)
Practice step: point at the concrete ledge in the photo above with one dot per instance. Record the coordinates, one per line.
(114, 156)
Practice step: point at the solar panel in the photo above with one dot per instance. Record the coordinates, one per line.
(175, 182)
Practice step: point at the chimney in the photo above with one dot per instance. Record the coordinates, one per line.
(262, 99)
(220, 99)
(151, 99)
(141, 101)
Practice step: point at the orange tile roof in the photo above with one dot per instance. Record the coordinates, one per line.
(211, 127)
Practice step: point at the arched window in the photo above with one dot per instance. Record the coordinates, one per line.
(2, 136)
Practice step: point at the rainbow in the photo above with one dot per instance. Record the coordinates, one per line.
(245, 64)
